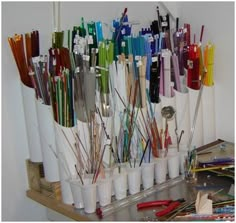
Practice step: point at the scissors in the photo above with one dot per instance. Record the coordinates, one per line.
(171, 205)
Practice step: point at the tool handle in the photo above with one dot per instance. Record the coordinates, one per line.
(153, 203)
(167, 210)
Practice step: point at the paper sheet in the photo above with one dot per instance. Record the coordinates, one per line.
(203, 205)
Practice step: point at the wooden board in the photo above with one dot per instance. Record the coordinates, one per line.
(67, 210)
(51, 189)
(35, 172)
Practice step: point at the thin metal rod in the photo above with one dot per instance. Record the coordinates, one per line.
(129, 114)
(196, 110)
(79, 175)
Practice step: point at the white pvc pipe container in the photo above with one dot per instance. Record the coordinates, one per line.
(208, 110)
(31, 121)
(84, 144)
(156, 107)
(182, 115)
(67, 159)
(47, 139)
(197, 139)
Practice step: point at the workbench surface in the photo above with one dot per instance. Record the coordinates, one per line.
(172, 189)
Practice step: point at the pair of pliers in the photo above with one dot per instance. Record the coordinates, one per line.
(171, 205)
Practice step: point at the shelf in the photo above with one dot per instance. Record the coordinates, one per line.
(67, 210)
(174, 189)
(171, 189)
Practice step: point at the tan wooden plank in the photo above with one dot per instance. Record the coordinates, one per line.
(53, 204)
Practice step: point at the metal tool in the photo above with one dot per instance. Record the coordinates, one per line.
(167, 112)
(171, 205)
(180, 209)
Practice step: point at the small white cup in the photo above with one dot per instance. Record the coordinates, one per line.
(89, 179)
(122, 168)
(109, 174)
(104, 187)
(160, 169)
(120, 184)
(89, 194)
(75, 185)
(173, 165)
(147, 172)
(134, 179)
(183, 151)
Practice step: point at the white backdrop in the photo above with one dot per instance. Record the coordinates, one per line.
(218, 19)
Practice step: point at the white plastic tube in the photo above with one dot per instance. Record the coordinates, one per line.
(67, 159)
(84, 140)
(47, 139)
(197, 138)
(108, 123)
(31, 122)
(182, 115)
(208, 110)
(156, 107)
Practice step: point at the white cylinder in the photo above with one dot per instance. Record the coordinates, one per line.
(182, 115)
(156, 107)
(84, 141)
(117, 122)
(141, 122)
(75, 185)
(120, 184)
(104, 188)
(173, 165)
(160, 169)
(31, 121)
(147, 173)
(89, 194)
(208, 110)
(47, 139)
(197, 139)
(108, 123)
(120, 85)
(66, 157)
(134, 179)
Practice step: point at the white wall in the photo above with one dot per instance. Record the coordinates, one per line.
(143, 12)
(18, 18)
(218, 18)
(23, 17)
